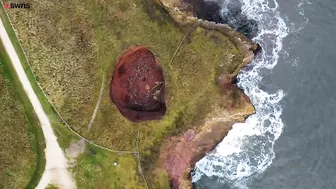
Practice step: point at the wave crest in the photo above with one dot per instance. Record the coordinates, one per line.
(247, 150)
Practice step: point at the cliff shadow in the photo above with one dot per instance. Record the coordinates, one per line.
(225, 12)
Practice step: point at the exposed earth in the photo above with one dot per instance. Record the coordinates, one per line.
(138, 86)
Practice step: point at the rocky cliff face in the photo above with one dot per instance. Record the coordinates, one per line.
(219, 11)
(179, 154)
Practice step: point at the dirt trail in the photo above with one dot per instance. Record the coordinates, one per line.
(56, 170)
(94, 115)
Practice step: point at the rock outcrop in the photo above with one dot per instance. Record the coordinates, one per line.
(138, 85)
(224, 12)
(179, 154)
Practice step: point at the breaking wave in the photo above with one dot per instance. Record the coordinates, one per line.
(247, 150)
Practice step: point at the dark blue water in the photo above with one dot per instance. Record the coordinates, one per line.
(305, 155)
(290, 143)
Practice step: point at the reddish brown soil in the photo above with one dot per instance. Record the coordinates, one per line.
(138, 86)
(178, 155)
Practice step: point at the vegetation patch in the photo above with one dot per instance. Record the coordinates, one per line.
(97, 168)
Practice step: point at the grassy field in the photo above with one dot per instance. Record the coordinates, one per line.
(72, 45)
(97, 168)
(21, 139)
(62, 51)
(94, 164)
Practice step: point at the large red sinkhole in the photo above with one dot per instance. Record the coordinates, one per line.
(138, 86)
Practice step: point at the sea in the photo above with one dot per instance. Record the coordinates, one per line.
(290, 143)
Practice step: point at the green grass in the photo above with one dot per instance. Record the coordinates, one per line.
(95, 169)
(22, 142)
(65, 137)
(51, 187)
(72, 45)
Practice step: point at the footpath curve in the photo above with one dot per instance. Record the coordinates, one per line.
(56, 170)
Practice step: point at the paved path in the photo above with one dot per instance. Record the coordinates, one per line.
(56, 171)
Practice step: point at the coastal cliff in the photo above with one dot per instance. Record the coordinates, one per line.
(179, 153)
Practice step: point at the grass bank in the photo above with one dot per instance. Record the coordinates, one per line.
(22, 141)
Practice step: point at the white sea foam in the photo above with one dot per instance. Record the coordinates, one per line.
(247, 150)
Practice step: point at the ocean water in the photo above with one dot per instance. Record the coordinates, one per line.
(289, 142)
